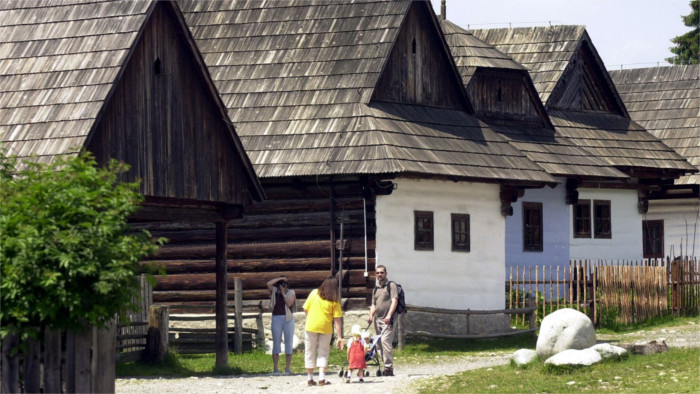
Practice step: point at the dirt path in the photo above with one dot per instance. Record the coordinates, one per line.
(680, 336)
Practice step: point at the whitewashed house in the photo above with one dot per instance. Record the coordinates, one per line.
(605, 162)
(666, 101)
(365, 97)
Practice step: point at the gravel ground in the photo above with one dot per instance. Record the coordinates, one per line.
(680, 336)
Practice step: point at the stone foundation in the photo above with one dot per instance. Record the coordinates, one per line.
(456, 324)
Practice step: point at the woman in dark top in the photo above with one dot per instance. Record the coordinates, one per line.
(283, 305)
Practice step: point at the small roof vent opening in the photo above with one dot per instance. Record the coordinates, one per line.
(157, 68)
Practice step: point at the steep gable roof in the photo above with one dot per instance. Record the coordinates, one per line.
(59, 63)
(298, 79)
(549, 149)
(666, 101)
(62, 61)
(556, 57)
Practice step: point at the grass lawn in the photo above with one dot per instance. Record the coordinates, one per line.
(676, 371)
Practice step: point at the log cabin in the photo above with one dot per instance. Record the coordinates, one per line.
(605, 217)
(124, 80)
(666, 101)
(356, 120)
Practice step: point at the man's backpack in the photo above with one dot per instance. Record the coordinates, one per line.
(401, 305)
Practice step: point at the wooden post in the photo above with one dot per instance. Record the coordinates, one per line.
(402, 330)
(32, 366)
(595, 299)
(533, 315)
(221, 297)
(158, 320)
(104, 357)
(261, 330)
(332, 226)
(79, 361)
(10, 365)
(238, 302)
(52, 361)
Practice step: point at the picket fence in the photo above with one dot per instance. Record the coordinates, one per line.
(84, 364)
(608, 291)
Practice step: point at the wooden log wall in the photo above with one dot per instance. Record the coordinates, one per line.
(288, 234)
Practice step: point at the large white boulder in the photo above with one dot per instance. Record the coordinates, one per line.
(575, 357)
(562, 330)
(607, 350)
(524, 356)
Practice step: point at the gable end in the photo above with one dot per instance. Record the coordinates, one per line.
(584, 86)
(163, 120)
(419, 70)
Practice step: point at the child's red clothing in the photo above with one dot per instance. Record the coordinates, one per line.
(356, 354)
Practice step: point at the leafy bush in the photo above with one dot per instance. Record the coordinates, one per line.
(68, 257)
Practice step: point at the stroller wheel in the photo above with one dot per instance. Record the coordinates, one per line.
(379, 372)
(366, 373)
(340, 374)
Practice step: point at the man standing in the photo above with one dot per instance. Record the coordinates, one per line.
(385, 298)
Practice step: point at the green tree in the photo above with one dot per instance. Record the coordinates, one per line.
(687, 48)
(67, 254)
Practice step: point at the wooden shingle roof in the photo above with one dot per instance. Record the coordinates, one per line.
(298, 79)
(666, 101)
(470, 52)
(553, 152)
(552, 55)
(545, 51)
(59, 61)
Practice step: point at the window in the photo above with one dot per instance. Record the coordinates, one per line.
(532, 226)
(582, 219)
(423, 230)
(653, 233)
(460, 232)
(601, 218)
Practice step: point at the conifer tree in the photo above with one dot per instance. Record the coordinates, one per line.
(687, 48)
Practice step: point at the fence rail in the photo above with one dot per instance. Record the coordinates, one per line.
(607, 291)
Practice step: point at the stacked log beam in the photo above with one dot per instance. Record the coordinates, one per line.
(288, 234)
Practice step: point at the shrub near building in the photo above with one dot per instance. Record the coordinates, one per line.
(68, 257)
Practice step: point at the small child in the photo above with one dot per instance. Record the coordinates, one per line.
(357, 349)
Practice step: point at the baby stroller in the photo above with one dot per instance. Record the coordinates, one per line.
(372, 356)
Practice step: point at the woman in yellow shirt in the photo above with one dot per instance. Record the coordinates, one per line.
(323, 311)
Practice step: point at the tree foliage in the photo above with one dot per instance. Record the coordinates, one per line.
(67, 254)
(687, 49)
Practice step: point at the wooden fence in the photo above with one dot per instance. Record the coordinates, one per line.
(608, 292)
(186, 333)
(84, 364)
(131, 335)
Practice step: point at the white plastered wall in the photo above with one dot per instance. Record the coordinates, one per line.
(681, 225)
(626, 222)
(441, 278)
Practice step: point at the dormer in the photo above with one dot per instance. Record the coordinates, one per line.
(504, 96)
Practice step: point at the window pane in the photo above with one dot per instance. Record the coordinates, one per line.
(460, 232)
(601, 219)
(423, 231)
(532, 226)
(582, 219)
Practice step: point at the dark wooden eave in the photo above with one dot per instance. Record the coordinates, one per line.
(155, 209)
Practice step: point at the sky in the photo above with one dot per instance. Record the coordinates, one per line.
(626, 33)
